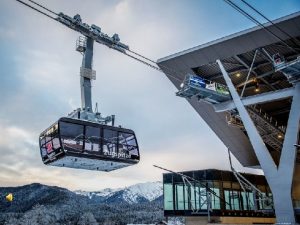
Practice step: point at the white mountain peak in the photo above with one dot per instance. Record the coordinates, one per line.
(149, 191)
(131, 194)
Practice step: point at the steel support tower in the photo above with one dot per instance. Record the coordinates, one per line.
(279, 177)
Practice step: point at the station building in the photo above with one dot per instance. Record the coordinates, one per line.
(217, 197)
(246, 87)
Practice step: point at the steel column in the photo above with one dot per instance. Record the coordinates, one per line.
(249, 72)
(256, 99)
(280, 180)
(284, 180)
(259, 146)
(85, 83)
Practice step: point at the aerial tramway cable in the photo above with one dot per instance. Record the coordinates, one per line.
(162, 68)
(270, 21)
(247, 15)
(43, 7)
(45, 14)
(144, 60)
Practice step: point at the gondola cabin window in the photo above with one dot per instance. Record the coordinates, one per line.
(92, 139)
(72, 136)
(110, 141)
(127, 145)
(49, 141)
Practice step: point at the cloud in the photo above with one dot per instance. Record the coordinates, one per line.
(6, 33)
(40, 83)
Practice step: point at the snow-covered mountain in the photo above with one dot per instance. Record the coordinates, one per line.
(143, 192)
(138, 204)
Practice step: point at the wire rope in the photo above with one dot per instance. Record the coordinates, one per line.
(43, 7)
(236, 7)
(270, 21)
(45, 14)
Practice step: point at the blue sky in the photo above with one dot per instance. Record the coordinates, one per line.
(40, 83)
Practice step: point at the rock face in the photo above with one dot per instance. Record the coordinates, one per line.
(41, 204)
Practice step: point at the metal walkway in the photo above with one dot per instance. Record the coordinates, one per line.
(271, 133)
(290, 69)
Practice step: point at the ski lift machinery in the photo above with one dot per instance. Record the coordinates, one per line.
(85, 139)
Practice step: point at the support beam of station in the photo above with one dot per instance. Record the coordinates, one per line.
(253, 71)
(256, 99)
(279, 178)
(261, 151)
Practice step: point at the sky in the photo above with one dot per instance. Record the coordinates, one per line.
(39, 71)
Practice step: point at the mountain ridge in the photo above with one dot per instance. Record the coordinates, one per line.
(37, 204)
(141, 192)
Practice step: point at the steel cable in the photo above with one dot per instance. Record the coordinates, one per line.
(270, 21)
(43, 7)
(236, 7)
(24, 3)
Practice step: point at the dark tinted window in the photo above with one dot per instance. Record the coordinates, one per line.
(72, 135)
(128, 145)
(110, 140)
(92, 139)
(49, 140)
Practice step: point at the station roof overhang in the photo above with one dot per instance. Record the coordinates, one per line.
(236, 52)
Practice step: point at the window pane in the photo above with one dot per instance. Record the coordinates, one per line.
(92, 138)
(264, 202)
(110, 138)
(215, 199)
(235, 204)
(203, 198)
(42, 140)
(251, 201)
(127, 145)
(193, 196)
(72, 135)
(43, 152)
(187, 197)
(247, 200)
(227, 199)
(56, 143)
(49, 141)
(168, 196)
(179, 194)
(197, 196)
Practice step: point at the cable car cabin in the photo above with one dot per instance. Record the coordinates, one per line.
(86, 145)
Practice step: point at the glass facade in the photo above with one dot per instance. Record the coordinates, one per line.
(216, 190)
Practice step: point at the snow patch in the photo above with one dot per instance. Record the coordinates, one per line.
(149, 191)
